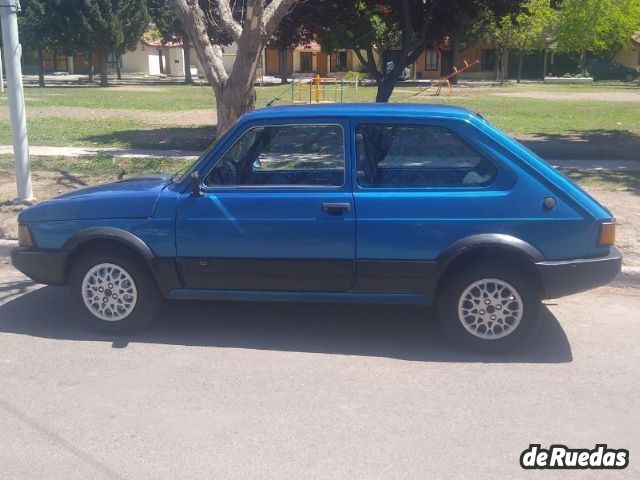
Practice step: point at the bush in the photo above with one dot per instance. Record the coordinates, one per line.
(353, 76)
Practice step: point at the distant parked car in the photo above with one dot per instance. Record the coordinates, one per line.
(610, 70)
(383, 203)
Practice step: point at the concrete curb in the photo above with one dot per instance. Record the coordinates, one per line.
(6, 246)
(628, 277)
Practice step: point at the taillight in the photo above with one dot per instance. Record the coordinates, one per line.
(607, 234)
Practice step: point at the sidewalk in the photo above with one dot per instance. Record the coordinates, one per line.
(44, 151)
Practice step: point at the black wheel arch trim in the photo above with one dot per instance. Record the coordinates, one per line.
(488, 240)
(163, 269)
(109, 233)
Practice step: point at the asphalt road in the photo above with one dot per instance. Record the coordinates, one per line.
(229, 390)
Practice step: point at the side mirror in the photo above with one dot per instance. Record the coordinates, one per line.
(195, 184)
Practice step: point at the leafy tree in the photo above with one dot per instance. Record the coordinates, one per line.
(170, 27)
(528, 30)
(295, 29)
(597, 26)
(40, 29)
(212, 24)
(534, 28)
(400, 30)
(108, 26)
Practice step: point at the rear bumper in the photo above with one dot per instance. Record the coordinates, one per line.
(42, 266)
(566, 277)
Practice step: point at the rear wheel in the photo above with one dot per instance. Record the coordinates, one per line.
(113, 290)
(490, 309)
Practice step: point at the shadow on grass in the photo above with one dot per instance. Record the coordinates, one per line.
(618, 180)
(166, 138)
(401, 332)
(596, 144)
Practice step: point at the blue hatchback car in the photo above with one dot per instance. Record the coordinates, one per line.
(334, 203)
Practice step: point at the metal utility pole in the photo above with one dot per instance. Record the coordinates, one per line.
(12, 52)
(1, 77)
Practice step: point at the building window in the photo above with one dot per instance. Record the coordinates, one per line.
(306, 62)
(341, 61)
(488, 59)
(431, 60)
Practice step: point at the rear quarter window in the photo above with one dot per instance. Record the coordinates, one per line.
(418, 156)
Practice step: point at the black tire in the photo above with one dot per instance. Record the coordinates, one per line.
(450, 297)
(147, 298)
(629, 77)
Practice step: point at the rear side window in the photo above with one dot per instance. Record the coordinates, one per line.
(283, 155)
(414, 156)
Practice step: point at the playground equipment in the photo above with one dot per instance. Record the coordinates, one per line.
(317, 90)
(445, 81)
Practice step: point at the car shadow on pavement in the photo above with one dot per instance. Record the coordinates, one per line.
(403, 332)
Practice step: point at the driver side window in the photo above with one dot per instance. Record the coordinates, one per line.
(283, 155)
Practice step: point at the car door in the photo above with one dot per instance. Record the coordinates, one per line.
(276, 212)
(420, 186)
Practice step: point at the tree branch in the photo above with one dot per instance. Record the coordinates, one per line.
(193, 20)
(274, 13)
(229, 24)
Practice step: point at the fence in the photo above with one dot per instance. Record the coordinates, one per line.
(317, 90)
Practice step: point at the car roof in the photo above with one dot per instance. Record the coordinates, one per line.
(359, 110)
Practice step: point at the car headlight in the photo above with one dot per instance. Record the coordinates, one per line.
(24, 236)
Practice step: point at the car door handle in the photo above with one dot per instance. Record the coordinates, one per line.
(336, 208)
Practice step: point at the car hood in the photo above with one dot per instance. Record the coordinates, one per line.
(133, 197)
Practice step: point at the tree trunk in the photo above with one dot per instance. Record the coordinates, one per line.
(40, 67)
(235, 92)
(455, 55)
(232, 102)
(167, 63)
(104, 79)
(503, 63)
(520, 58)
(544, 64)
(118, 72)
(583, 61)
(385, 89)
(186, 46)
(160, 64)
(90, 55)
(284, 70)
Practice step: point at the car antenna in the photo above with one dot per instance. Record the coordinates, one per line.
(277, 97)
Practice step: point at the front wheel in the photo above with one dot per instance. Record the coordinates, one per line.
(489, 309)
(113, 290)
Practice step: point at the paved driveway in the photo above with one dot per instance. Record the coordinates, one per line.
(229, 390)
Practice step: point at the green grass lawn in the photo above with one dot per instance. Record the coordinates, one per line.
(133, 127)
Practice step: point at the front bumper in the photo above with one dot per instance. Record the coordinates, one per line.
(42, 266)
(567, 277)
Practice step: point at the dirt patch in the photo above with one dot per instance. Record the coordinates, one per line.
(185, 118)
(605, 96)
(45, 185)
(625, 207)
(139, 88)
